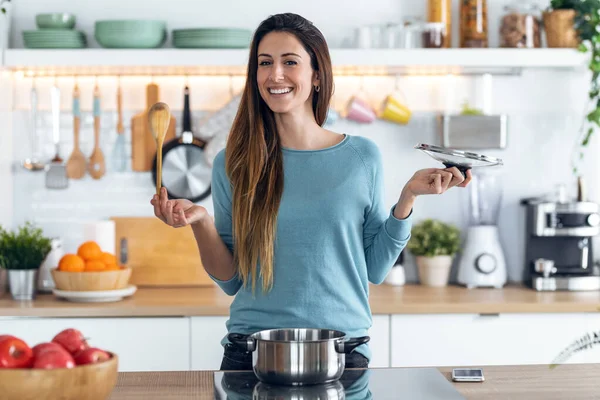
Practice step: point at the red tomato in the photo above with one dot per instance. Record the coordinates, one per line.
(51, 359)
(72, 340)
(91, 356)
(2, 337)
(44, 347)
(14, 353)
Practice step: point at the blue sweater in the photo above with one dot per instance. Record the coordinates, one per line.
(334, 236)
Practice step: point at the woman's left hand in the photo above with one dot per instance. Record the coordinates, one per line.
(436, 181)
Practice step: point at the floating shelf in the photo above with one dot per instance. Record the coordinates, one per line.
(167, 61)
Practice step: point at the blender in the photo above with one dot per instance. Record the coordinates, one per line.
(482, 263)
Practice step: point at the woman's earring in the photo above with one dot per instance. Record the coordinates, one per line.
(317, 88)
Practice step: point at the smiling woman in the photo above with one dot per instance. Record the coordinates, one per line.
(299, 209)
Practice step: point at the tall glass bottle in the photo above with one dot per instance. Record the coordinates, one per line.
(441, 11)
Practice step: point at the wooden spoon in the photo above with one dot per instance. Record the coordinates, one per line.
(97, 167)
(76, 163)
(159, 118)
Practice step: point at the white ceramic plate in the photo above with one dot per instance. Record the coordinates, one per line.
(97, 296)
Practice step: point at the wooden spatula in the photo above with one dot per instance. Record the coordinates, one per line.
(76, 163)
(97, 167)
(159, 118)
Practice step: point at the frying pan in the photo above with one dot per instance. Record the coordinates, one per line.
(186, 174)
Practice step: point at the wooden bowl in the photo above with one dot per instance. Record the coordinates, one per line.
(86, 382)
(91, 281)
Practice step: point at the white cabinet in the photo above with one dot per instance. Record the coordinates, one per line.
(380, 341)
(206, 336)
(473, 339)
(143, 344)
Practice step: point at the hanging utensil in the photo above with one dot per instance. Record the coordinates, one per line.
(33, 163)
(159, 118)
(143, 145)
(56, 172)
(96, 165)
(119, 158)
(186, 173)
(76, 163)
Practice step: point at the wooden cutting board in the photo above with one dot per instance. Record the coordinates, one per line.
(143, 144)
(158, 254)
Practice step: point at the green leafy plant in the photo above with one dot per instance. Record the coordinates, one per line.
(432, 238)
(25, 249)
(585, 342)
(468, 110)
(587, 20)
(3, 9)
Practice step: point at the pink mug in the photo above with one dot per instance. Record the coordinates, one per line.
(359, 110)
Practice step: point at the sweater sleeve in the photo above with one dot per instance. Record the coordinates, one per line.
(384, 236)
(221, 196)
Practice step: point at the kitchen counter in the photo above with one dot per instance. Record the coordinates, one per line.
(502, 382)
(410, 299)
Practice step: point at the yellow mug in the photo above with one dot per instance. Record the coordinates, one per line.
(394, 110)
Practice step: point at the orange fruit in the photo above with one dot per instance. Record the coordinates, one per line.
(71, 263)
(94, 266)
(108, 259)
(89, 251)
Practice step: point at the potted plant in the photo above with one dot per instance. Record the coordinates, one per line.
(580, 20)
(21, 254)
(559, 23)
(434, 244)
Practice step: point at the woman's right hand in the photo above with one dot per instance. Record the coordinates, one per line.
(177, 212)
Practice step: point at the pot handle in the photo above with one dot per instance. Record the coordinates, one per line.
(348, 346)
(244, 342)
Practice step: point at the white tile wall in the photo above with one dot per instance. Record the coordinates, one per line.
(544, 108)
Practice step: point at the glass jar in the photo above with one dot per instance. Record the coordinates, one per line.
(521, 26)
(473, 23)
(440, 11)
(434, 36)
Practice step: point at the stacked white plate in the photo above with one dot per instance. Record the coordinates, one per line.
(54, 39)
(212, 38)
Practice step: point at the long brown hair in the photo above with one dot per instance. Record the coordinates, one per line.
(254, 161)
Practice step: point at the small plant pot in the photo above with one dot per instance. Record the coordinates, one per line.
(560, 29)
(22, 283)
(3, 281)
(434, 271)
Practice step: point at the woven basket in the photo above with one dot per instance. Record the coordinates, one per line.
(560, 30)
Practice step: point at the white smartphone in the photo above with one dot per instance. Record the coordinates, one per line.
(467, 375)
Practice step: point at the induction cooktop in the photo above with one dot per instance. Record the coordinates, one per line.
(355, 384)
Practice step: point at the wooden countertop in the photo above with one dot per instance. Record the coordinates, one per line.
(502, 382)
(410, 299)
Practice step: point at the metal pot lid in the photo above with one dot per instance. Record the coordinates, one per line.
(451, 157)
(185, 172)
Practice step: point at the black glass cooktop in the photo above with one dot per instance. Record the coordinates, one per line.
(376, 384)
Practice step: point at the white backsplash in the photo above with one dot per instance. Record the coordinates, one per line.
(544, 110)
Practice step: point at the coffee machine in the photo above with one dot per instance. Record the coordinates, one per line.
(558, 244)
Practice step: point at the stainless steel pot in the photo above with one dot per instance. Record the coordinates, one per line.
(298, 356)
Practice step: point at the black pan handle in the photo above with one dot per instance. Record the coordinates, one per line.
(244, 342)
(348, 346)
(461, 168)
(187, 115)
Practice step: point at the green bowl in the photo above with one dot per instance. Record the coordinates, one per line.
(130, 34)
(55, 21)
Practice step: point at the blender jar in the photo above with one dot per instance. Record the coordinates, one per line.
(485, 198)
